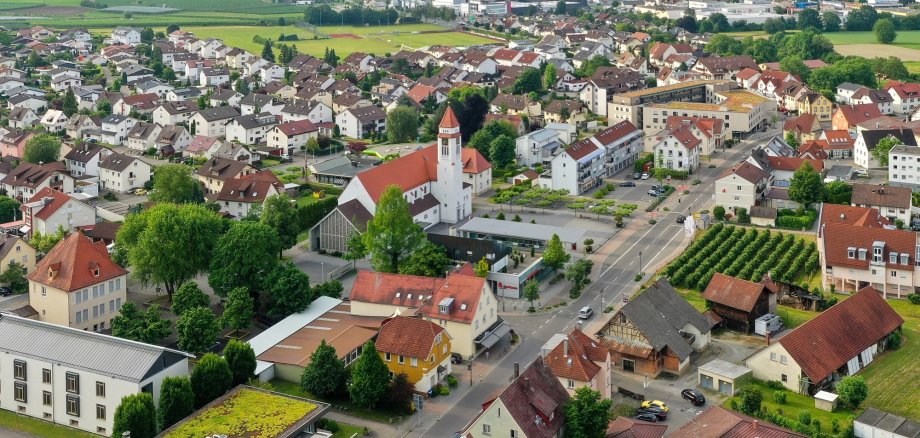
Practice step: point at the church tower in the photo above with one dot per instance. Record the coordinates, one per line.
(450, 168)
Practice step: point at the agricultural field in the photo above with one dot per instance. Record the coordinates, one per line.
(745, 253)
(888, 389)
(906, 38)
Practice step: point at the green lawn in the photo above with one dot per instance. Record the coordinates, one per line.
(306, 198)
(348, 431)
(912, 66)
(796, 403)
(39, 428)
(294, 389)
(892, 377)
(906, 38)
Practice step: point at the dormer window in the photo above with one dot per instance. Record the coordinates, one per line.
(851, 252)
(862, 253)
(96, 272)
(893, 257)
(904, 259)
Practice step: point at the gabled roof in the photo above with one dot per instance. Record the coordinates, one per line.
(840, 238)
(252, 188)
(536, 401)
(848, 215)
(75, 263)
(84, 152)
(222, 168)
(826, 342)
(856, 114)
(733, 292)
(218, 113)
(718, 422)
(296, 128)
(623, 427)
(871, 137)
(32, 175)
(118, 162)
(878, 195)
(746, 171)
(49, 200)
(408, 336)
(792, 164)
(575, 357)
(393, 289)
(464, 290)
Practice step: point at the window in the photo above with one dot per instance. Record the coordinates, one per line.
(401, 359)
(783, 377)
(79, 316)
(19, 370)
(851, 253)
(413, 361)
(783, 359)
(894, 274)
(100, 412)
(46, 398)
(487, 429)
(514, 433)
(571, 383)
(100, 389)
(73, 405)
(46, 375)
(19, 392)
(773, 357)
(73, 383)
(386, 356)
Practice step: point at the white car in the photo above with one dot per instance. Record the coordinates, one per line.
(645, 175)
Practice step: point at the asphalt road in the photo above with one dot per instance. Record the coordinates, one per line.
(652, 244)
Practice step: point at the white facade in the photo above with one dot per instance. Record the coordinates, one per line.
(132, 177)
(537, 147)
(904, 166)
(676, 155)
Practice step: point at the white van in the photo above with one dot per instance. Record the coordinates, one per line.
(585, 312)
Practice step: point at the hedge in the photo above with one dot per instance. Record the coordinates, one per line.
(310, 215)
(792, 220)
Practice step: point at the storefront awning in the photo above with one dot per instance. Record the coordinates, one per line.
(489, 340)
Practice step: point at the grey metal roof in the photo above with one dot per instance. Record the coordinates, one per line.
(522, 230)
(890, 423)
(722, 368)
(86, 350)
(660, 313)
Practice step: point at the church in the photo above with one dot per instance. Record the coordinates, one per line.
(439, 182)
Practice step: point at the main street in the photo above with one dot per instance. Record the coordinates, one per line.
(652, 244)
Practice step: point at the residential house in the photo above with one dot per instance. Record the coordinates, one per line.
(742, 186)
(624, 427)
(79, 124)
(860, 255)
(239, 196)
(709, 131)
(656, 331)
(360, 122)
(213, 77)
(214, 172)
(251, 129)
(123, 173)
(316, 112)
(905, 96)
(579, 361)
(738, 302)
(804, 127)
(839, 143)
(719, 422)
(114, 130)
(50, 210)
(173, 113)
(537, 147)
(27, 179)
(418, 348)
(868, 139)
(172, 139)
(255, 103)
(678, 149)
(23, 100)
(59, 288)
(126, 35)
(13, 249)
(212, 122)
(84, 159)
(516, 105)
(848, 116)
(140, 103)
(75, 378)
(891, 202)
(14, 143)
(532, 406)
(604, 83)
(289, 137)
(836, 343)
(22, 118)
(464, 305)
(143, 136)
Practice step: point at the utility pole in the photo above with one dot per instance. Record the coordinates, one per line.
(640, 262)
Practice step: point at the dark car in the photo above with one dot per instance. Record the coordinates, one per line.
(627, 184)
(455, 358)
(5, 292)
(647, 417)
(654, 193)
(654, 410)
(693, 396)
(681, 218)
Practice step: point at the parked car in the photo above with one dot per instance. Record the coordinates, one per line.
(637, 175)
(645, 176)
(647, 417)
(654, 193)
(654, 410)
(693, 396)
(681, 218)
(657, 403)
(658, 187)
(627, 184)
(585, 312)
(456, 358)
(5, 292)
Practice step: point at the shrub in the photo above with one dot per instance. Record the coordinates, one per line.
(914, 298)
(451, 381)
(775, 384)
(805, 417)
(816, 425)
(719, 212)
(501, 216)
(485, 216)
(327, 424)
(743, 217)
(835, 426)
(444, 390)
(751, 397)
(733, 404)
(779, 397)
(110, 197)
(894, 340)
(652, 222)
(638, 277)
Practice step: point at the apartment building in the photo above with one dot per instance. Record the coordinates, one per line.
(583, 165)
(904, 166)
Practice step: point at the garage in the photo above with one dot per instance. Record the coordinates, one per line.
(724, 377)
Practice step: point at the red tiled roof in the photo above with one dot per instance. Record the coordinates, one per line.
(420, 92)
(473, 161)
(879, 195)
(393, 289)
(815, 148)
(536, 395)
(848, 215)
(747, 73)
(829, 340)
(528, 57)
(804, 123)
(570, 360)
(733, 292)
(856, 114)
(505, 54)
(685, 137)
(72, 263)
(793, 163)
(412, 337)
(904, 90)
(58, 199)
(623, 427)
(297, 128)
(746, 171)
(450, 119)
(838, 238)
(466, 292)
(839, 139)
(615, 132)
(581, 149)
(718, 422)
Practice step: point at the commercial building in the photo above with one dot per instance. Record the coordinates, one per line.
(585, 164)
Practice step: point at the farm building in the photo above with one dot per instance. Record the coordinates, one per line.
(738, 302)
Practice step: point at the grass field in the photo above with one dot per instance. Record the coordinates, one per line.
(39, 428)
(796, 403)
(251, 6)
(893, 385)
(906, 38)
(912, 66)
(348, 431)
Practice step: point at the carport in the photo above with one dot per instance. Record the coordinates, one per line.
(722, 376)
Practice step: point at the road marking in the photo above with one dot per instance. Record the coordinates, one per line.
(662, 249)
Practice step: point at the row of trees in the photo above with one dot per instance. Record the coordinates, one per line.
(180, 396)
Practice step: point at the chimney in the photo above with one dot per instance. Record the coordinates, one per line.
(517, 370)
(754, 425)
(565, 347)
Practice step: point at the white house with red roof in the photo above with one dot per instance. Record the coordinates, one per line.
(583, 165)
(678, 149)
(432, 180)
(238, 196)
(51, 209)
(905, 96)
(288, 137)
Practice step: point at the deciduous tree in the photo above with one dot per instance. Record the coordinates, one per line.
(369, 378)
(806, 186)
(402, 124)
(197, 329)
(238, 310)
(549, 77)
(853, 390)
(882, 148)
(15, 277)
(142, 326)
(429, 260)
(884, 31)
(555, 256)
(838, 192)
(42, 148)
(587, 414)
(287, 290)
(177, 401)
(502, 151)
(135, 413)
(529, 80)
(531, 291)
(831, 21)
(188, 296)
(325, 375)
(9, 209)
(243, 256)
(169, 244)
(69, 105)
(482, 268)
(210, 379)
(280, 213)
(392, 236)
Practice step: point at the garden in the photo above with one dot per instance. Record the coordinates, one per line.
(744, 253)
(791, 410)
(528, 196)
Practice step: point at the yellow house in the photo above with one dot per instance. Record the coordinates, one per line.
(817, 104)
(77, 285)
(14, 249)
(417, 348)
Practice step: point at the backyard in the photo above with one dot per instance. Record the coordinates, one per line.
(796, 403)
(889, 390)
